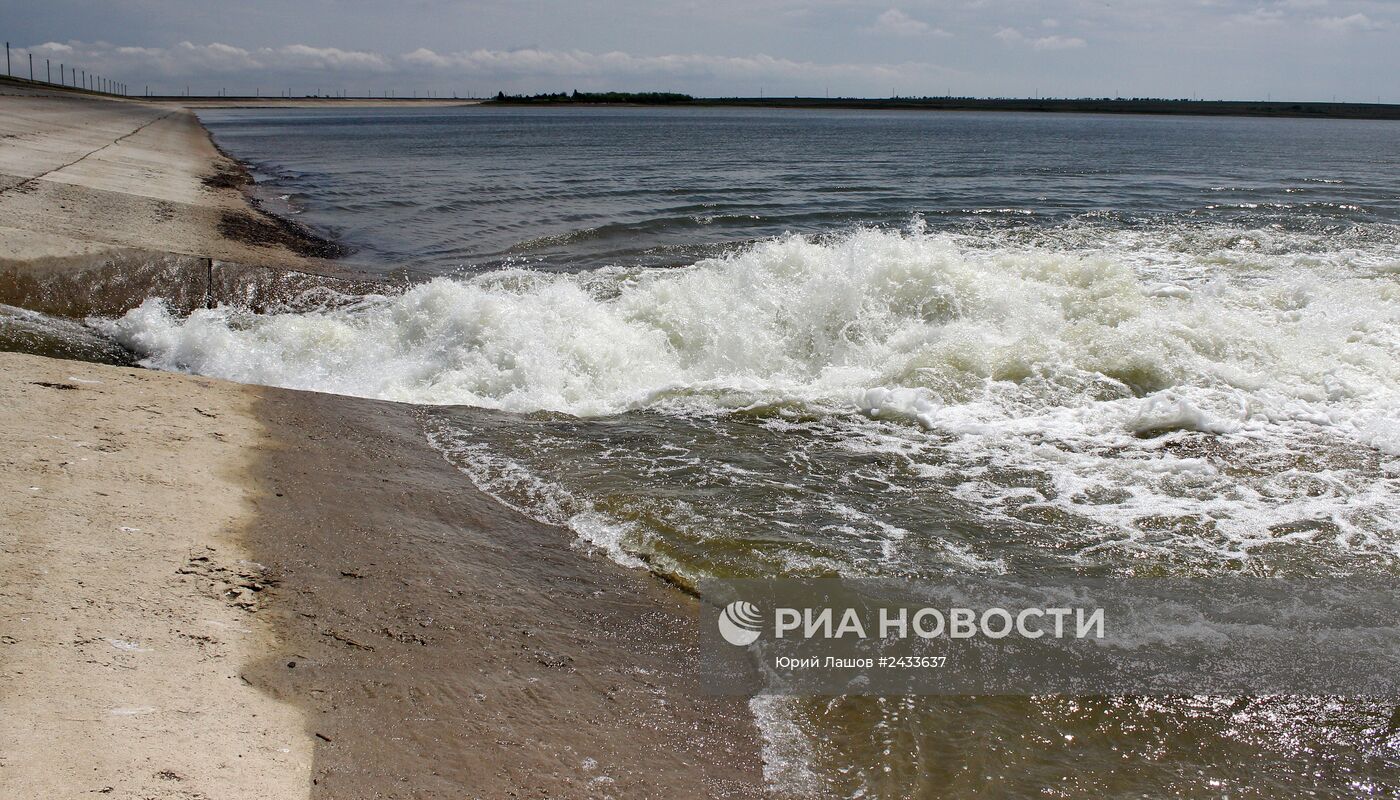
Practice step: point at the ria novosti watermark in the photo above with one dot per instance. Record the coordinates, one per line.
(1063, 636)
(741, 623)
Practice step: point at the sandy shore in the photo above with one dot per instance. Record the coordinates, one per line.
(222, 591)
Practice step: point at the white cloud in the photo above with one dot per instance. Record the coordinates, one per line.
(332, 58)
(1354, 22)
(187, 61)
(425, 57)
(187, 58)
(897, 23)
(566, 64)
(1011, 36)
(1259, 17)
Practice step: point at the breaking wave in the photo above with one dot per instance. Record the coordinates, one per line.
(1246, 380)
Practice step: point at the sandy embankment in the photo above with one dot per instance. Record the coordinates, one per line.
(212, 590)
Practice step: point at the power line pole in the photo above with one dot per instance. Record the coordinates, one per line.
(48, 72)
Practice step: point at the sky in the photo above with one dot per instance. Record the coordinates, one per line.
(1213, 49)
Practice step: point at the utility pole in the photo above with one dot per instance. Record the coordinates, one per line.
(48, 72)
(7, 58)
(31, 67)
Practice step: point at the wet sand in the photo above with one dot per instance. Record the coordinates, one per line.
(441, 642)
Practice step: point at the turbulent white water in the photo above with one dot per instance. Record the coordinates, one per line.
(1248, 380)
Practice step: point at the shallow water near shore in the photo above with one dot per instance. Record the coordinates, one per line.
(759, 343)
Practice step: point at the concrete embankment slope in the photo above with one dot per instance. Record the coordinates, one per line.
(224, 591)
(104, 202)
(125, 591)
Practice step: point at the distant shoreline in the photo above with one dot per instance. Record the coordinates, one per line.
(1104, 105)
(310, 102)
(1208, 108)
(1195, 108)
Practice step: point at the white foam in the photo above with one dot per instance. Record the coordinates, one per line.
(1087, 360)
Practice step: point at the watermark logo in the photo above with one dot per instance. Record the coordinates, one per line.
(1049, 633)
(740, 622)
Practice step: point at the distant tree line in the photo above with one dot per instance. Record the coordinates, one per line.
(1089, 105)
(644, 98)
